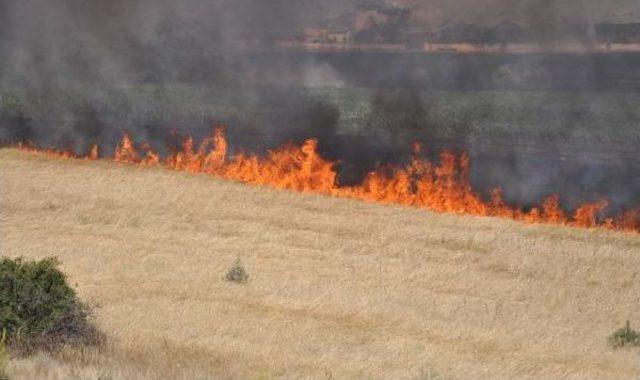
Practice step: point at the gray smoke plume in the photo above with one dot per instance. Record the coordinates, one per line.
(77, 72)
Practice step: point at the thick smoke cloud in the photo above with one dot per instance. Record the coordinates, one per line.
(70, 58)
(77, 72)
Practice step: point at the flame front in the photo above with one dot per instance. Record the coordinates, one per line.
(442, 188)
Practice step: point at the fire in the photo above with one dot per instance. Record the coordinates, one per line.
(444, 187)
(94, 153)
(126, 152)
(585, 215)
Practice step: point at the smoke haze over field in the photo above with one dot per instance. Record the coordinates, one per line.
(121, 41)
(78, 72)
(489, 11)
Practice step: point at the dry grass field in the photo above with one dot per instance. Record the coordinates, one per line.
(337, 288)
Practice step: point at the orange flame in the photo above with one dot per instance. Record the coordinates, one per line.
(94, 153)
(442, 188)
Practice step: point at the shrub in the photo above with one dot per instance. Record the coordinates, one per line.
(237, 273)
(38, 309)
(625, 336)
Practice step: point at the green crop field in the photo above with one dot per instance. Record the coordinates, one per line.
(599, 118)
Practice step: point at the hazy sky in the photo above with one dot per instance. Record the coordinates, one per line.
(490, 10)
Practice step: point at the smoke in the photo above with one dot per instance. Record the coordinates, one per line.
(73, 65)
(74, 73)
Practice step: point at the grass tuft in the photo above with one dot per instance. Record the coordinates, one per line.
(625, 336)
(237, 273)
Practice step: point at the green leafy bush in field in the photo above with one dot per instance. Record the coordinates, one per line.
(38, 309)
(237, 273)
(625, 336)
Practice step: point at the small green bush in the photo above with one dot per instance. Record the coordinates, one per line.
(38, 309)
(625, 336)
(237, 273)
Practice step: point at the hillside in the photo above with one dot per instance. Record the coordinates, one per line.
(337, 288)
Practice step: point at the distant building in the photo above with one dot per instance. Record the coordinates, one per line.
(339, 36)
(327, 36)
(316, 35)
(371, 22)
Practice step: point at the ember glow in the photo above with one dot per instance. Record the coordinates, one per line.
(444, 187)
